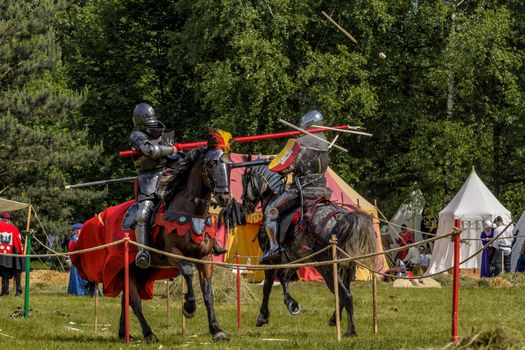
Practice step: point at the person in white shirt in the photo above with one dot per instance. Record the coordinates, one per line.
(502, 245)
(413, 257)
(425, 258)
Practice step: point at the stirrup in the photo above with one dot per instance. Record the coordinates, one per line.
(271, 256)
(143, 259)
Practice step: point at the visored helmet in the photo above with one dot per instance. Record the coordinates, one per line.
(311, 118)
(145, 119)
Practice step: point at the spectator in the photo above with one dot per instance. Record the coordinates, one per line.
(10, 243)
(404, 236)
(77, 285)
(413, 257)
(425, 256)
(488, 253)
(502, 245)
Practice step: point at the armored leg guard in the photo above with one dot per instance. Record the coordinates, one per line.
(143, 258)
(274, 250)
(144, 211)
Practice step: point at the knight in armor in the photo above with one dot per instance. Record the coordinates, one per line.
(153, 179)
(307, 159)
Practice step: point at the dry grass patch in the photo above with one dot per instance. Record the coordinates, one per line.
(49, 276)
(494, 339)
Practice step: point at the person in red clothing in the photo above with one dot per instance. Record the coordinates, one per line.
(404, 236)
(10, 243)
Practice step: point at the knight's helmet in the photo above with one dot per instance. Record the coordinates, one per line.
(311, 118)
(145, 119)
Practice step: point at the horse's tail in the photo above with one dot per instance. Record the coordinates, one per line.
(360, 239)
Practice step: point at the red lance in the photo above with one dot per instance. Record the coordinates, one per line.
(241, 139)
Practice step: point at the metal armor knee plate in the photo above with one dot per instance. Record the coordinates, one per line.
(273, 213)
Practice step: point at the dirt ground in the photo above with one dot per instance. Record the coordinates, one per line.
(48, 276)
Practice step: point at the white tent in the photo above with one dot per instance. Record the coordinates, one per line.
(9, 205)
(519, 231)
(473, 204)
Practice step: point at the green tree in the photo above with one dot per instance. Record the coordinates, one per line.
(117, 50)
(449, 94)
(484, 55)
(43, 145)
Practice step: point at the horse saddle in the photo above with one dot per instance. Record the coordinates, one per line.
(317, 216)
(128, 221)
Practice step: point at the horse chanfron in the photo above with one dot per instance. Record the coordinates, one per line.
(217, 169)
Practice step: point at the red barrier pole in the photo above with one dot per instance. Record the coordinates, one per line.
(238, 293)
(126, 287)
(455, 283)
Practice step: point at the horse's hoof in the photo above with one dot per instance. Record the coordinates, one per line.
(350, 334)
(152, 338)
(123, 339)
(294, 307)
(220, 336)
(261, 320)
(191, 312)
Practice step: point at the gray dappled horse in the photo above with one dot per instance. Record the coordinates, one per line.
(318, 221)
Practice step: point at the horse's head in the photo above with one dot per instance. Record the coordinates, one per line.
(216, 164)
(260, 185)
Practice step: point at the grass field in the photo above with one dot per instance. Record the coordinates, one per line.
(408, 319)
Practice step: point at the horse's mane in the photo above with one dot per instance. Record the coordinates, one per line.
(182, 167)
(274, 180)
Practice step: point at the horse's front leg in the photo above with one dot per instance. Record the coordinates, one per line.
(205, 275)
(186, 269)
(136, 306)
(264, 313)
(292, 305)
(190, 306)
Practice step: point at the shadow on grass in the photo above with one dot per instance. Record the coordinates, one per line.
(77, 338)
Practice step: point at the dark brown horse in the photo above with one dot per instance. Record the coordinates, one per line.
(209, 174)
(182, 226)
(320, 219)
